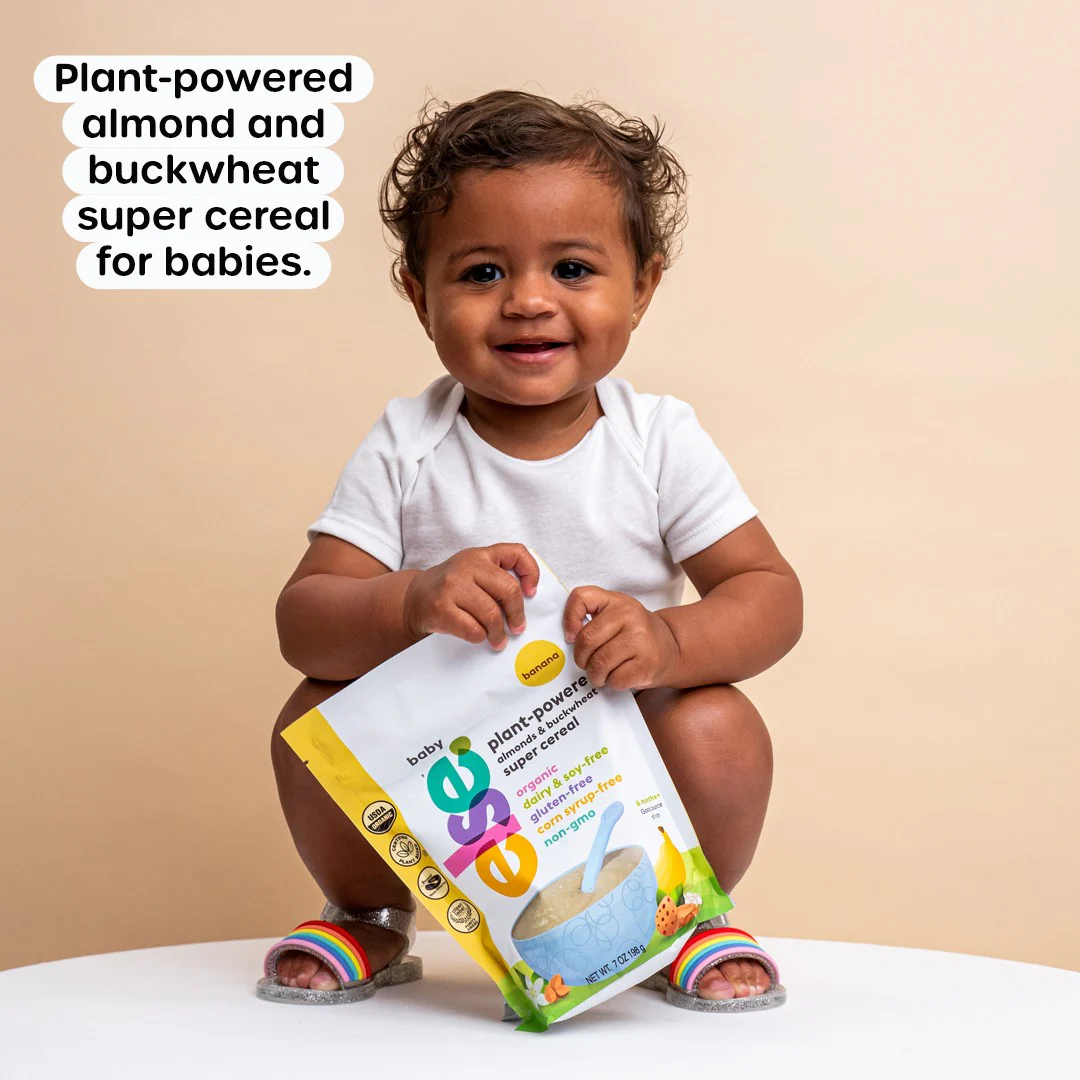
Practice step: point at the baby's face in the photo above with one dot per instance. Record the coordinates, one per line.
(529, 283)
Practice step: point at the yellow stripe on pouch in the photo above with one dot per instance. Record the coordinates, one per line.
(350, 785)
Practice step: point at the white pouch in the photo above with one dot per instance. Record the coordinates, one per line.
(485, 779)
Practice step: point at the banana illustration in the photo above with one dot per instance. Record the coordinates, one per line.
(670, 869)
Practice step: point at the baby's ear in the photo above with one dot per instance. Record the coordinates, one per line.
(646, 282)
(415, 291)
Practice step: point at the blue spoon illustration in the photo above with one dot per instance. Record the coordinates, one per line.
(599, 846)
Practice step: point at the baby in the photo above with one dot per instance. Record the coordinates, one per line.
(532, 237)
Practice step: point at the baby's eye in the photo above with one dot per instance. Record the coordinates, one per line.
(571, 270)
(482, 273)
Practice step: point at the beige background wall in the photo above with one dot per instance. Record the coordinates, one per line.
(875, 316)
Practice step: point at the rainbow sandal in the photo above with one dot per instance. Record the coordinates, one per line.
(344, 956)
(711, 944)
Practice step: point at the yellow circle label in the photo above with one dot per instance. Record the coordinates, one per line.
(379, 816)
(463, 917)
(432, 884)
(538, 662)
(405, 850)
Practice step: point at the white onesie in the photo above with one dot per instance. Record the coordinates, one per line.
(644, 489)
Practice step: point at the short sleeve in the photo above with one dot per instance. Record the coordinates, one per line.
(365, 508)
(700, 499)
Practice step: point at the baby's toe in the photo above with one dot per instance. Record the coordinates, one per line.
(286, 968)
(297, 969)
(323, 979)
(713, 986)
(753, 977)
(735, 972)
(733, 979)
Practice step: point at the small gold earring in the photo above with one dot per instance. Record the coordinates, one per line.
(633, 319)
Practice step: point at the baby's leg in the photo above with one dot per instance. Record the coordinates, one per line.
(350, 873)
(719, 754)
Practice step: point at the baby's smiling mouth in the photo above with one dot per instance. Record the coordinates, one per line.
(531, 345)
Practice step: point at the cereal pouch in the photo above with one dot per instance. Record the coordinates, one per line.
(528, 810)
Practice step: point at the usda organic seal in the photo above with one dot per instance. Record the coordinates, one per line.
(379, 816)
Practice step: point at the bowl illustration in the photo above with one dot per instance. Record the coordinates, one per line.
(563, 931)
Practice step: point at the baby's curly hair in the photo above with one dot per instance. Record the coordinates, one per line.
(506, 128)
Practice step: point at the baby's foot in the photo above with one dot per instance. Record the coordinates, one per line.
(733, 978)
(308, 972)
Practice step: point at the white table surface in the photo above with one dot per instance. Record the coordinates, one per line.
(856, 1010)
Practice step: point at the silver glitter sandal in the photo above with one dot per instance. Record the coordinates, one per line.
(344, 956)
(712, 943)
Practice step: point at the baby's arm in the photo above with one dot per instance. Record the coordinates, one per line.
(749, 614)
(341, 612)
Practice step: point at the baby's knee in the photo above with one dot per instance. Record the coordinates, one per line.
(730, 726)
(309, 694)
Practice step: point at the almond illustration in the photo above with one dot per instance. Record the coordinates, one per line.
(555, 989)
(667, 920)
(684, 913)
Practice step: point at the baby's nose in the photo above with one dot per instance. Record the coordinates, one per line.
(529, 295)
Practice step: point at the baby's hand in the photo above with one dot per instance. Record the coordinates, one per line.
(624, 646)
(467, 595)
